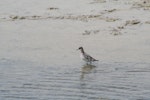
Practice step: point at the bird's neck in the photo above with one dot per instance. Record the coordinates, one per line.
(82, 51)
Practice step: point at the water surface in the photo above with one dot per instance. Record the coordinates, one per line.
(115, 81)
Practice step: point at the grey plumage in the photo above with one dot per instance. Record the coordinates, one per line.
(85, 56)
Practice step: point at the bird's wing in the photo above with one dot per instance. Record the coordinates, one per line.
(89, 58)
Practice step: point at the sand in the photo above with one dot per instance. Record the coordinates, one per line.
(47, 33)
(110, 30)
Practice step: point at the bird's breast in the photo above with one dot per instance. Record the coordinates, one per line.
(83, 57)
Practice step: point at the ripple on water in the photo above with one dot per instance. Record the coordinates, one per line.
(29, 81)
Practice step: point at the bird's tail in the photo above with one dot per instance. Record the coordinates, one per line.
(96, 60)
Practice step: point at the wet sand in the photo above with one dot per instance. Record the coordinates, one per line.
(38, 57)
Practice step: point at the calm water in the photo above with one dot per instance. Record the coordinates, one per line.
(34, 54)
(23, 80)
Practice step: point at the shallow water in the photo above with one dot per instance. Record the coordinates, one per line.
(38, 57)
(23, 80)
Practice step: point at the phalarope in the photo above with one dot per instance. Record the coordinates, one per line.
(84, 56)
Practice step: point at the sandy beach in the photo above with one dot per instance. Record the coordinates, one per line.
(39, 60)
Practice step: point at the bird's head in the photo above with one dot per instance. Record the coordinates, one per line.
(80, 48)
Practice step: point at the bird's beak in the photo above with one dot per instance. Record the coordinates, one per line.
(77, 49)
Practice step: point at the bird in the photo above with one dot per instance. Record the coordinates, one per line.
(86, 57)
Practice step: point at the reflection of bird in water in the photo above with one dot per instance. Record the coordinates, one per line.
(86, 69)
(84, 56)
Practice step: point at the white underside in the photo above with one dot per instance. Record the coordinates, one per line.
(83, 58)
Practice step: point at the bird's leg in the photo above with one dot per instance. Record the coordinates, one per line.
(90, 62)
(86, 63)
